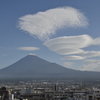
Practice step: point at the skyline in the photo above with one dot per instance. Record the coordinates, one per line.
(65, 32)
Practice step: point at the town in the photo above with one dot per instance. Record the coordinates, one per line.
(50, 90)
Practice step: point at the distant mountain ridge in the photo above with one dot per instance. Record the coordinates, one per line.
(34, 67)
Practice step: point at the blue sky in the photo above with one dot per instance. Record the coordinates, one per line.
(61, 31)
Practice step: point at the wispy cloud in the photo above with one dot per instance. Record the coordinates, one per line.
(72, 57)
(28, 48)
(83, 55)
(96, 41)
(69, 44)
(89, 54)
(44, 24)
(68, 64)
(91, 65)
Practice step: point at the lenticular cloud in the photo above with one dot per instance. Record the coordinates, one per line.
(28, 48)
(69, 44)
(44, 24)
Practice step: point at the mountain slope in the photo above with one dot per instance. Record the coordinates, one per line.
(33, 66)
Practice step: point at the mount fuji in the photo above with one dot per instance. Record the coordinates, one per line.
(32, 66)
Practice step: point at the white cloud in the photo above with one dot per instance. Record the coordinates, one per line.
(45, 24)
(82, 55)
(96, 41)
(89, 54)
(91, 65)
(69, 44)
(28, 48)
(68, 64)
(73, 57)
(67, 51)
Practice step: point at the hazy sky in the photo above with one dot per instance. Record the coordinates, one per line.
(66, 32)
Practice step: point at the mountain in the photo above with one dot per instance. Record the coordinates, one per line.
(32, 66)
